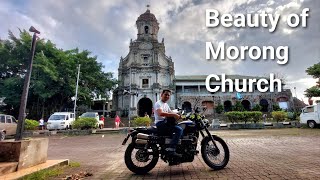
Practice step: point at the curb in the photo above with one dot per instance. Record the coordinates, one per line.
(49, 164)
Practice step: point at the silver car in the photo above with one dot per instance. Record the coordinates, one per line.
(8, 126)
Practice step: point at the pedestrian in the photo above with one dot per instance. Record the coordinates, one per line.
(264, 116)
(146, 115)
(117, 121)
(101, 121)
(41, 123)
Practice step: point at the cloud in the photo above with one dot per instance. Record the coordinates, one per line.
(106, 27)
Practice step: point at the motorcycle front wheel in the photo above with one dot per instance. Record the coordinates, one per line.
(141, 161)
(216, 158)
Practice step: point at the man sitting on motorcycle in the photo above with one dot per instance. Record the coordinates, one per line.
(163, 120)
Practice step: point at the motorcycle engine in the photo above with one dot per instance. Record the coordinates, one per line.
(188, 148)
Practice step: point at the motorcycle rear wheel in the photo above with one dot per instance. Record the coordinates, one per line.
(210, 153)
(141, 156)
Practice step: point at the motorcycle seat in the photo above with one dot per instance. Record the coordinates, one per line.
(148, 130)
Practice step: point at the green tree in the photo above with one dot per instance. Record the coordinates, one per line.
(219, 109)
(238, 107)
(314, 71)
(53, 79)
(257, 107)
(276, 107)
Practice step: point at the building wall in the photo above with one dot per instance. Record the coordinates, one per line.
(197, 95)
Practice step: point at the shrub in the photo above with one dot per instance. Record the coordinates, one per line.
(219, 109)
(255, 116)
(238, 107)
(279, 115)
(31, 124)
(85, 123)
(276, 107)
(141, 121)
(237, 116)
(234, 116)
(257, 107)
(292, 116)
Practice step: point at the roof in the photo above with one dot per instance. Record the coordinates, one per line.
(203, 77)
(147, 16)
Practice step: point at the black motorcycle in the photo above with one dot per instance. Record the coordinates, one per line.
(148, 145)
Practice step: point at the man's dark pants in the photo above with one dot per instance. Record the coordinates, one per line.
(168, 129)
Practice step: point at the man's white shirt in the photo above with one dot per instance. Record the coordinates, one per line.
(164, 107)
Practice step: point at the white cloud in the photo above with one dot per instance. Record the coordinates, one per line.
(106, 27)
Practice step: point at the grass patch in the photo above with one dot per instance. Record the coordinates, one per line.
(74, 164)
(44, 174)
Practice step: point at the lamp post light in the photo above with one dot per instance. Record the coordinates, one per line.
(24, 96)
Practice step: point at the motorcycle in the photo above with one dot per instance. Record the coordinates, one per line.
(148, 145)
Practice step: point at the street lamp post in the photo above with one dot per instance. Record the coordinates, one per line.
(24, 97)
(130, 94)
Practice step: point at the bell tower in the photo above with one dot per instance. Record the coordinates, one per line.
(147, 26)
(144, 71)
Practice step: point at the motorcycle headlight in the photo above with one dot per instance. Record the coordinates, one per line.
(206, 122)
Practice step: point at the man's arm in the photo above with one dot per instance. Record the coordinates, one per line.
(167, 114)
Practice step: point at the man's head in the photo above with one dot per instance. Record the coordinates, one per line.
(165, 95)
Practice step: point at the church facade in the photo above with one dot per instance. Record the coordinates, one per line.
(147, 70)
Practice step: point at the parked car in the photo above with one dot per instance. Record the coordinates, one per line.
(60, 120)
(310, 115)
(8, 126)
(95, 115)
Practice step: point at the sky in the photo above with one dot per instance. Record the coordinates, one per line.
(105, 28)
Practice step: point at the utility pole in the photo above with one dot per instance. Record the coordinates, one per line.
(294, 105)
(24, 96)
(75, 100)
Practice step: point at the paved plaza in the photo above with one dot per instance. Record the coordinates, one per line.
(254, 154)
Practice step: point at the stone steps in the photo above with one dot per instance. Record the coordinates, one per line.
(8, 167)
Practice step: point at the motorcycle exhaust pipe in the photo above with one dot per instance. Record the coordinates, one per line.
(141, 141)
(142, 136)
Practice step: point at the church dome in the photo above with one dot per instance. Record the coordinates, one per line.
(147, 16)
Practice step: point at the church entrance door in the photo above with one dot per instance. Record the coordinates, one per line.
(145, 106)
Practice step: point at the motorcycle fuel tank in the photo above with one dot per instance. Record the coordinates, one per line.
(185, 124)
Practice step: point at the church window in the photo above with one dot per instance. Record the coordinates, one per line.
(146, 29)
(145, 83)
(145, 60)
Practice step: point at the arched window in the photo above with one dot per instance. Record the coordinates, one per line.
(146, 29)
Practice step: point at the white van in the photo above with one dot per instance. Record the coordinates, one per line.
(60, 120)
(310, 115)
(95, 115)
